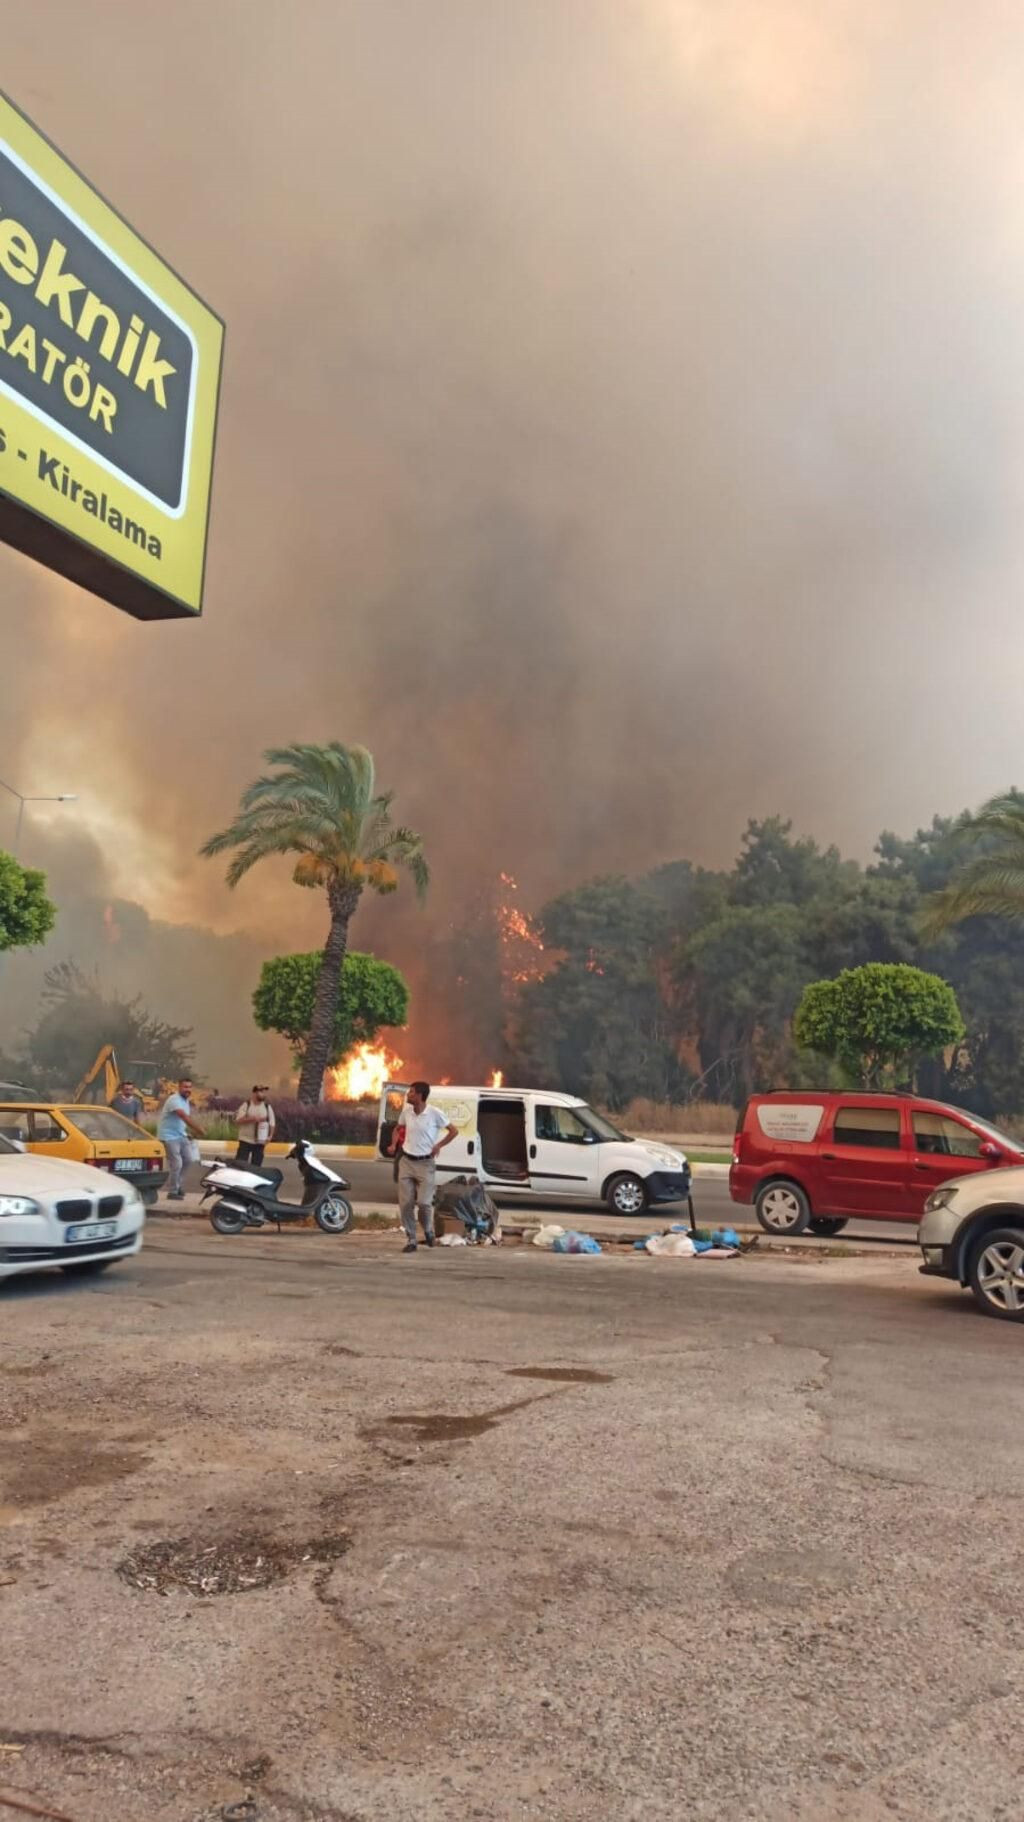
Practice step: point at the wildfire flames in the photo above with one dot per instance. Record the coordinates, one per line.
(361, 1074)
(521, 946)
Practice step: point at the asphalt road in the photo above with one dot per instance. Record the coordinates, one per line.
(373, 1184)
(495, 1534)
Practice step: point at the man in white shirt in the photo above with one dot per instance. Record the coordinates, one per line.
(255, 1121)
(427, 1131)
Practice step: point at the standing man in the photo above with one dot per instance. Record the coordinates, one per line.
(255, 1121)
(173, 1130)
(426, 1133)
(128, 1102)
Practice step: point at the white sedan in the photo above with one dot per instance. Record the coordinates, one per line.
(53, 1212)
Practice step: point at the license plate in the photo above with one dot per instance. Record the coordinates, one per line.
(129, 1164)
(92, 1230)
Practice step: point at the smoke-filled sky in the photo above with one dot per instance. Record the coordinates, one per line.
(621, 433)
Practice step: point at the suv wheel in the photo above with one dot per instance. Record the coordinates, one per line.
(782, 1208)
(828, 1224)
(996, 1274)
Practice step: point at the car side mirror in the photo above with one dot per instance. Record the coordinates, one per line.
(988, 1150)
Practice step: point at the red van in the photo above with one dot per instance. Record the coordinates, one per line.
(819, 1160)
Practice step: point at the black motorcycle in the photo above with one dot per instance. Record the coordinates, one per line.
(249, 1197)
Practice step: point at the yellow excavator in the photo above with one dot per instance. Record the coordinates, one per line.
(104, 1076)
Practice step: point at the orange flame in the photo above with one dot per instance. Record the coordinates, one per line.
(361, 1074)
(519, 940)
(497, 1078)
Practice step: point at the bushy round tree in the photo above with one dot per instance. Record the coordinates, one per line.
(26, 914)
(372, 995)
(877, 1020)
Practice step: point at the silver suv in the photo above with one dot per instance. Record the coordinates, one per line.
(973, 1231)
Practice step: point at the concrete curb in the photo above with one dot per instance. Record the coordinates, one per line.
(807, 1244)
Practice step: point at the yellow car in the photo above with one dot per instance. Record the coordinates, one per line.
(88, 1135)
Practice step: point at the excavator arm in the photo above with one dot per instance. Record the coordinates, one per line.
(100, 1082)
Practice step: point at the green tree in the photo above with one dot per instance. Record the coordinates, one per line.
(321, 804)
(877, 1020)
(79, 1016)
(981, 956)
(992, 882)
(597, 1023)
(26, 914)
(739, 979)
(372, 995)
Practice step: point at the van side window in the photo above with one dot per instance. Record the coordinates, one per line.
(877, 1126)
(562, 1124)
(933, 1132)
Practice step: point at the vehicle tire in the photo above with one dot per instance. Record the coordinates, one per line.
(827, 1224)
(782, 1208)
(149, 1196)
(995, 1273)
(626, 1195)
(334, 1215)
(226, 1220)
(87, 1268)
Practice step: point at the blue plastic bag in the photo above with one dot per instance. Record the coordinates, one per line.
(725, 1236)
(575, 1243)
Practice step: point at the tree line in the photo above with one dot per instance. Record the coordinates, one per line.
(684, 982)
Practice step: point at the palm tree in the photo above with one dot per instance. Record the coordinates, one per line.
(322, 805)
(992, 884)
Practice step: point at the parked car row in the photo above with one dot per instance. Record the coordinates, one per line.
(805, 1161)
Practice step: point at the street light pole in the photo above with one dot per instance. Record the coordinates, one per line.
(63, 797)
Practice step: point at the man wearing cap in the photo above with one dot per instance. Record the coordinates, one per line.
(255, 1121)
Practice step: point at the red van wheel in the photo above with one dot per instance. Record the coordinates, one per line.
(782, 1208)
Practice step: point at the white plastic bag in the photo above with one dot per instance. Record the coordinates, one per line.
(546, 1236)
(671, 1246)
(195, 1156)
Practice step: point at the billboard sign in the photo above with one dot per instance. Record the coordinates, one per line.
(109, 378)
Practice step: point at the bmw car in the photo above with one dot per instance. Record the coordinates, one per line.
(57, 1213)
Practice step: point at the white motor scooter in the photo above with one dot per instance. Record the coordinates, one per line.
(247, 1194)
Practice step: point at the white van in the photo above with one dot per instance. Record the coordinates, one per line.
(533, 1142)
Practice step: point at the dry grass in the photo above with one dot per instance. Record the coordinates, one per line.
(715, 1118)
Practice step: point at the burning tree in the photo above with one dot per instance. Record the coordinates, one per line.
(321, 804)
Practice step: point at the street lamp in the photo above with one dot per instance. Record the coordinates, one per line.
(64, 797)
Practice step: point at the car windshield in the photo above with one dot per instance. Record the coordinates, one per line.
(103, 1123)
(993, 1132)
(596, 1122)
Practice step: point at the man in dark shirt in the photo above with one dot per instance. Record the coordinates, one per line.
(128, 1101)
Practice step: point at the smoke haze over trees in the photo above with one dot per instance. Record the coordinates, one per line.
(621, 418)
(695, 976)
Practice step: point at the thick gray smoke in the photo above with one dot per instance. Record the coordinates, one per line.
(620, 429)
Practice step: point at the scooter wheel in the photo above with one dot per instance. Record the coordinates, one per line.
(226, 1220)
(334, 1215)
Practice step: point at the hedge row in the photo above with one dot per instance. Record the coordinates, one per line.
(325, 1122)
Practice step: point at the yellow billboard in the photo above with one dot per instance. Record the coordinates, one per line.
(109, 378)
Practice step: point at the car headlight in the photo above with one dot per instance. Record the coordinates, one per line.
(18, 1205)
(940, 1198)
